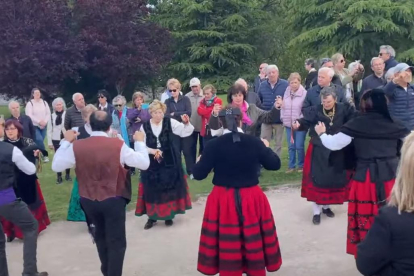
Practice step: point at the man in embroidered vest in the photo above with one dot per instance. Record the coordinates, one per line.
(104, 187)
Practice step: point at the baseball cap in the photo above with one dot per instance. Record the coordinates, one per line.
(195, 82)
(401, 67)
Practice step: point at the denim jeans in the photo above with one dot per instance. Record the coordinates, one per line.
(298, 147)
(40, 137)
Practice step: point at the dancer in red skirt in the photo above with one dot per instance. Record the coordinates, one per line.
(377, 140)
(163, 191)
(238, 233)
(325, 178)
(27, 186)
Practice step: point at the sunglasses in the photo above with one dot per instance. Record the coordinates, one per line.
(117, 105)
(101, 96)
(342, 61)
(173, 90)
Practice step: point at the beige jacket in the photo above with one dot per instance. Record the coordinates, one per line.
(195, 102)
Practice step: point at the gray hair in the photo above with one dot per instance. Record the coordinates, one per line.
(327, 70)
(270, 67)
(74, 96)
(88, 110)
(374, 59)
(58, 100)
(352, 65)
(389, 50)
(328, 91)
(118, 99)
(13, 102)
(390, 73)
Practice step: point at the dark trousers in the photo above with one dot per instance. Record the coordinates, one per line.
(108, 216)
(19, 214)
(132, 146)
(186, 149)
(197, 138)
(56, 145)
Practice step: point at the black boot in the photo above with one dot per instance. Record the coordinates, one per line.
(68, 178)
(169, 222)
(37, 274)
(150, 223)
(328, 212)
(59, 180)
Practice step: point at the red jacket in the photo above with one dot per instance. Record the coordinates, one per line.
(205, 112)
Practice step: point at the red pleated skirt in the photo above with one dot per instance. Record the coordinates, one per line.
(321, 196)
(162, 211)
(231, 246)
(362, 209)
(40, 215)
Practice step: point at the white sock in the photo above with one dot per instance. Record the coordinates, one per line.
(326, 207)
(316, 209)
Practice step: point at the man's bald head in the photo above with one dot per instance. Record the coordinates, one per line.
(100, 121)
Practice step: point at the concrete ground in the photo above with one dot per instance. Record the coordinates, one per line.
(65, 248)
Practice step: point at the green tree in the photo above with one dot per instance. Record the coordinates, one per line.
(354, 27)
(214, 39)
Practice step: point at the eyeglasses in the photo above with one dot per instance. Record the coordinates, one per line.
(381, 54)
(117, 105)
(101, 96)
(172, 90)
(260, 68)
(11, 129)
(342, 61)
(194, 86)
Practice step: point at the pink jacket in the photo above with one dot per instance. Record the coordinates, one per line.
(292, 106)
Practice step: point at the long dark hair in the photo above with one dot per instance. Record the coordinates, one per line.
(33, 90)
(104, 93)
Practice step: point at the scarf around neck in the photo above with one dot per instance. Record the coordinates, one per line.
(246, 120)
(58, 120)
(211, 101)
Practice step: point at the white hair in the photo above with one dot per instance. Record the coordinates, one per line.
(327, 70)
(13, 102)
(58, 100)
(270, 67)
(389, 50)
(352, 65)
(374, 59)
(76, 95)
(390, 73)
(118, 99)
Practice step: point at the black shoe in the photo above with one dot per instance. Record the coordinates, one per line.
(68, 178)
(316, 219)
(150, 223)
(169, 222)
(328, 212)
(37, 274)
(11, 238)
(59, 180)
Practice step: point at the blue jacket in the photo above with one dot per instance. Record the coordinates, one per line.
(257, 82)
(401, 104)
(390, 63)
(268, 95)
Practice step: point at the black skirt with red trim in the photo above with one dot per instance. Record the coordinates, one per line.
(238, 234)
(362, 208)
(39, 211)
(321, 196)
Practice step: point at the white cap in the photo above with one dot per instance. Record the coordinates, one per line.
(401, 67)
(194, 82)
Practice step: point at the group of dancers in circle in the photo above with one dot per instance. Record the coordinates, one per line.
(352, 157)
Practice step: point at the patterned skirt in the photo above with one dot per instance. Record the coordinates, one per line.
(39, 212)
(162, 211)
(75, 212)
(238, 234)
(321, 196)
(362, 208)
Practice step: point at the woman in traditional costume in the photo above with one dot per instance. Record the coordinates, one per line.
(238, 233)
(377, 140)
(163, 191)
(325, 178)
(27, 187)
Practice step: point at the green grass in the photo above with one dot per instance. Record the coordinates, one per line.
(57, 196)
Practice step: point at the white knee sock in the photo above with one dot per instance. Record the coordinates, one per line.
(316, 208)
(326, 207)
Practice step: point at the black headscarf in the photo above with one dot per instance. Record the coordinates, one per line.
(230, 116)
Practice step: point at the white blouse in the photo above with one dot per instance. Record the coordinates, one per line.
(336, 142)
(89, 131)
(221, 131)
(179, 129)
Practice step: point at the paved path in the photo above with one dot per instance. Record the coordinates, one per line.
(65, 248)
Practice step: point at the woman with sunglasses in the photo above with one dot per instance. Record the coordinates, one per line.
(177, 106)
(104, 102)
(27, 187)
(347, 76)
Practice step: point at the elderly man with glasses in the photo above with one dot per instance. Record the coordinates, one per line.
(327, 62)
(387, 53)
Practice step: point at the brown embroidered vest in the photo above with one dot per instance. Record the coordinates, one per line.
(98, 170)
